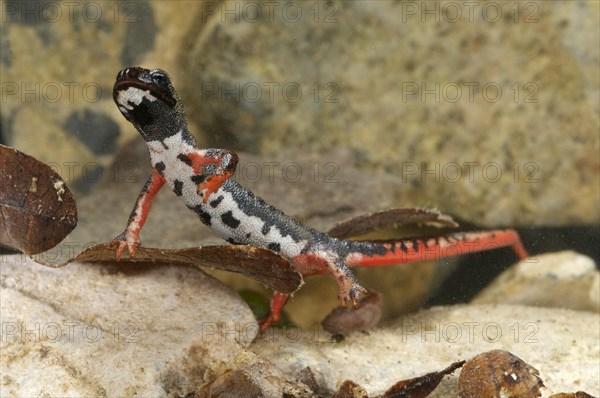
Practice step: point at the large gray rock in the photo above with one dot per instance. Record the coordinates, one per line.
(541, 133)
(473, 113)
(115, 330)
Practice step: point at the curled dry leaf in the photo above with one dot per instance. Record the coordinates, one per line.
(235, 383)
(343, 321)
(37, 210)
(388, 219)
(307, 377)
(350, 389)
(496, 374)
(260, 264)
(422, 386)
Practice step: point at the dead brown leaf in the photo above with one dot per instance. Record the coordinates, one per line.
(308, 378)
(342, 320)
(492, 373)
(350, 389)
(422, 386)
(260, 264)
(366, 223)
(37, 210)
(235, 383)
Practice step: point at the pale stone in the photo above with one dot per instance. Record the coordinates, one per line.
(115, 329)
(564, 345)
(563, 280)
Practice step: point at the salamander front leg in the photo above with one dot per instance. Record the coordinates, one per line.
(224, 163)
(130, 238)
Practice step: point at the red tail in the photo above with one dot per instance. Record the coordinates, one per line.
(374, 254)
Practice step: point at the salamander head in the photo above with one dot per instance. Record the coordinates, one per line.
(148, 100)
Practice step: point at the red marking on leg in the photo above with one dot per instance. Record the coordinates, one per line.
(129, 243)
(316, 263)
(212, 184)
(157, 182)
(130, 238)
(308, 264)
(445, 246)
(277, 302)
(199, 161)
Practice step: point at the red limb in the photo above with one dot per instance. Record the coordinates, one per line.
(278, 300)
(130, 239)
(213, 182)
(199, 161)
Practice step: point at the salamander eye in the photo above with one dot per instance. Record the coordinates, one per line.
(159, 78)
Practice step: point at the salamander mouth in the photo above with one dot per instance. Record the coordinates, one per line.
(133, 84)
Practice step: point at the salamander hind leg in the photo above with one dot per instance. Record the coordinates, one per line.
(277, 302)
(325, 260)
(349, 289)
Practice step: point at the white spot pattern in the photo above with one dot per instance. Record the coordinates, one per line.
(134, 95)
(249, 230)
